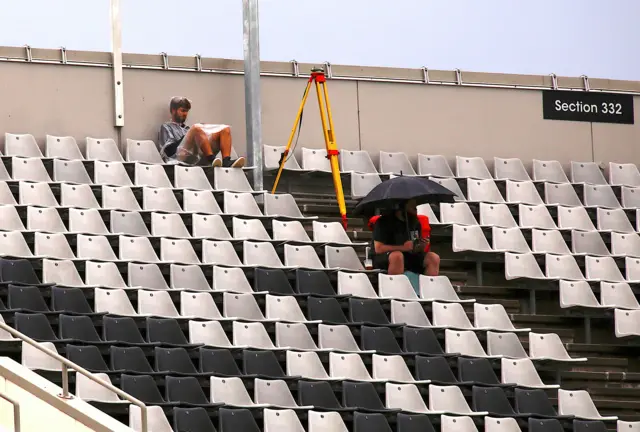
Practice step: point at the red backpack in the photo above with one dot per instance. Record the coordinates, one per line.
(424, 224)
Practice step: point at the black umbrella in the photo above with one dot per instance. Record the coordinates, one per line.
(401, 189)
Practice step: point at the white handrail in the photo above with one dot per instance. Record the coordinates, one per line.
(16, 411)
(66, 364)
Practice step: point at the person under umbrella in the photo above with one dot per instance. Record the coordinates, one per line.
(401, 242)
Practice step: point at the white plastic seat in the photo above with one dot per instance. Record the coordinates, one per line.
(450, 399)
(405, 397)
(561, 193)
(94, 247)
(251, 229)
(536, 216)
(578, 294)
(451, 184)
(434, 165)
(439, 288)
(355, 284)
(301, 256)
(209, 226)
(252, 335)
(472, 167)
(202, 305)
(168, 225)
(496, 215)
(151, 175)
(219, 252)
(549, 171)
(282, 205)
(410, 313)
(128, 222)
(24, 145)
(457, 213)
(160, 199)
(575, 218)
(79, 196)
(190, 177)
(628, 426)
(272, 155)
(457, 424)
(588, 243)
(348, 366)
(6, 196)
(600, 196)
(579, 403)
(230, 391)
(61, 272)
(632, 269)
(549, 346)
(602, 268)
(509, 239)
(494, 317)
(241, 204)
(230, 179)
(86, 221)
(103, 274)
(200, 201)
(510, 169)
(500, 424)
(294, 336)
(315, 160)
(110, 173)
(549, 241)
(88, 390)
(189, 276)
(522, 266)
(289, 231)
(53, 245)
(396, 286)
(281, 420)
(10, 219)
(484, 190)
(508, 345)
(70, 171)
(362, 184)
(326, 421)
(261, 254)
(469, 238)
(450, 315)
(142, 151)
(427, 210)
(208, 333)
(157, 420)
(618, 295)
(587, 172)
(136, 249)
(522, 192)
(337, 337)
(630, 197)
(283, 308)
(627, 323)
(104, 149)
(523, 373)
(613, 220)
(395, 163)
(357, 161)
(562, 267)
(273, 392)
(306, 364)
(146, 275)
(38, 194)
(4, 174)
(156, 303)
(330, 232)
(344, 257)
(463, 342)
(31, 169)
(242, 306)
(119, 197)
(178, 250)
(392, 368)
(623, 174)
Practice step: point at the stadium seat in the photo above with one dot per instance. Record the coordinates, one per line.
(142, 151)
(103, 149)
(472, 167)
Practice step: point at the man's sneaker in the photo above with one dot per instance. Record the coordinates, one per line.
(217, 163)
(233, 163)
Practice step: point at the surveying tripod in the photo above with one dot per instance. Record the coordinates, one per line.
(318, 77)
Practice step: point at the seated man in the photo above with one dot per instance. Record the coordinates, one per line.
(195, 145)
(399, 246)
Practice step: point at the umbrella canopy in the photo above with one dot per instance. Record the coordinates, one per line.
(401, 189)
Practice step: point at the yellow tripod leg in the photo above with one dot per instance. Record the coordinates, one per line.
(293, 132)
(332, 149)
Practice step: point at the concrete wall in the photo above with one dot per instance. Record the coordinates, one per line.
(433, 119)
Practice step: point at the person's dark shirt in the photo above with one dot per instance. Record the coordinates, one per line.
(392, 231)
(170, 135)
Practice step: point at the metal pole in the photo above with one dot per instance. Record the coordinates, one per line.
(116, 50)
(252, 101)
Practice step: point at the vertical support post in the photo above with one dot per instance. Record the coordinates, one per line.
(252, 100)
(116, 52)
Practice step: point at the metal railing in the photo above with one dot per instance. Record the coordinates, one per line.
(66, 365)
(16, 411)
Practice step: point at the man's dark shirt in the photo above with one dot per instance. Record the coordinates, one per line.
(392, 231)
(169, 137)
